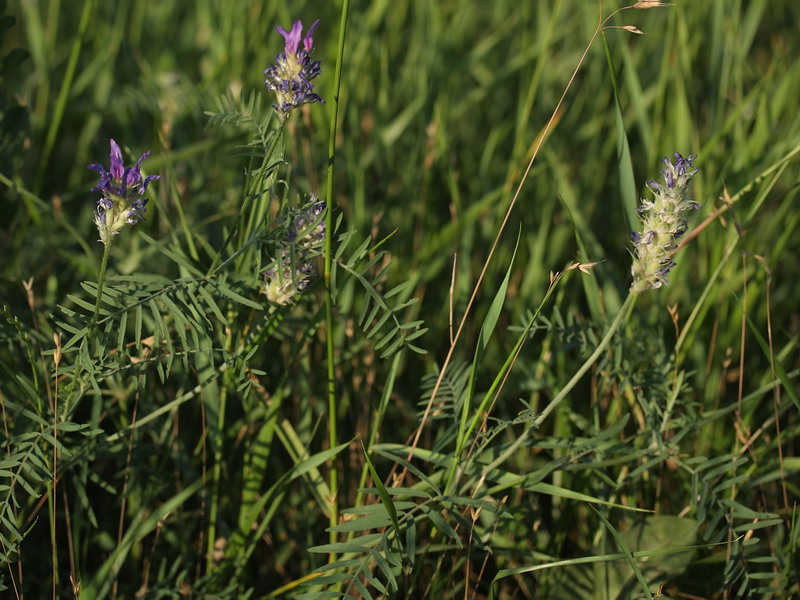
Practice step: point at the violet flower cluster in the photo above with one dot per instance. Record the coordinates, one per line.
(664, 222)
(122, 202)
(290, 78)
(293, 269)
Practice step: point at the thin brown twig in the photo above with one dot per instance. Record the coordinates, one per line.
(738, 425)
(776, 391)
(148, 560)
(757, 434)
(452, 291)
(10, 571)
(76, 584)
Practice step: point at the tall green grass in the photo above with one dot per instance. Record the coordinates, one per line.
(182, 447)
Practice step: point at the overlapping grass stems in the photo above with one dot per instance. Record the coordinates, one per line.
(206, 419)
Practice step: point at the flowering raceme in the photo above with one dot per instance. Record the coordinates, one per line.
(123, 191)
(293, 269)
(663, 224)
(306, 224)
(291, 77)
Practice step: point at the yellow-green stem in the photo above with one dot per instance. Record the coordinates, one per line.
(101, 278)
(216, 473)
(332, 408)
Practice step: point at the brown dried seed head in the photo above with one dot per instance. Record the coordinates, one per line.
(57, 353)
(632, 29)
(645, 4)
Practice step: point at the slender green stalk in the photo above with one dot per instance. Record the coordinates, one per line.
(228, 380)
(215, 479)
(51, 507)
(332, 408)
(250, 197)
(261, 206)
(621, 317)
(101, 279)
(216, 473)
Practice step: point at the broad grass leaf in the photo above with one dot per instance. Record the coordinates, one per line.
(368, 522)
(386, 500)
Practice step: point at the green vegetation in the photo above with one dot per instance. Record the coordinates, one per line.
(415, 370)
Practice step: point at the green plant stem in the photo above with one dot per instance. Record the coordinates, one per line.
(216, 474)
(332, 408)
(249, 200)
(621, 317)
(215, 479)
(101, 279)
(261, 206)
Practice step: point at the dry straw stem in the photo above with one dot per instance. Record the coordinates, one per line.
(601, 26)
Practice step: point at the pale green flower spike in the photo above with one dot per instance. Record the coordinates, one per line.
(663, 224)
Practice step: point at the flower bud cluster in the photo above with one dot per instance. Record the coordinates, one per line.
(122, 202)
(290, 78)
(664, 222)
(293, 269)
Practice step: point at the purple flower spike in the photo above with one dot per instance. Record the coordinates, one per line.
(123, 190)
(664, 222)
(292, 270)
(290, 78)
